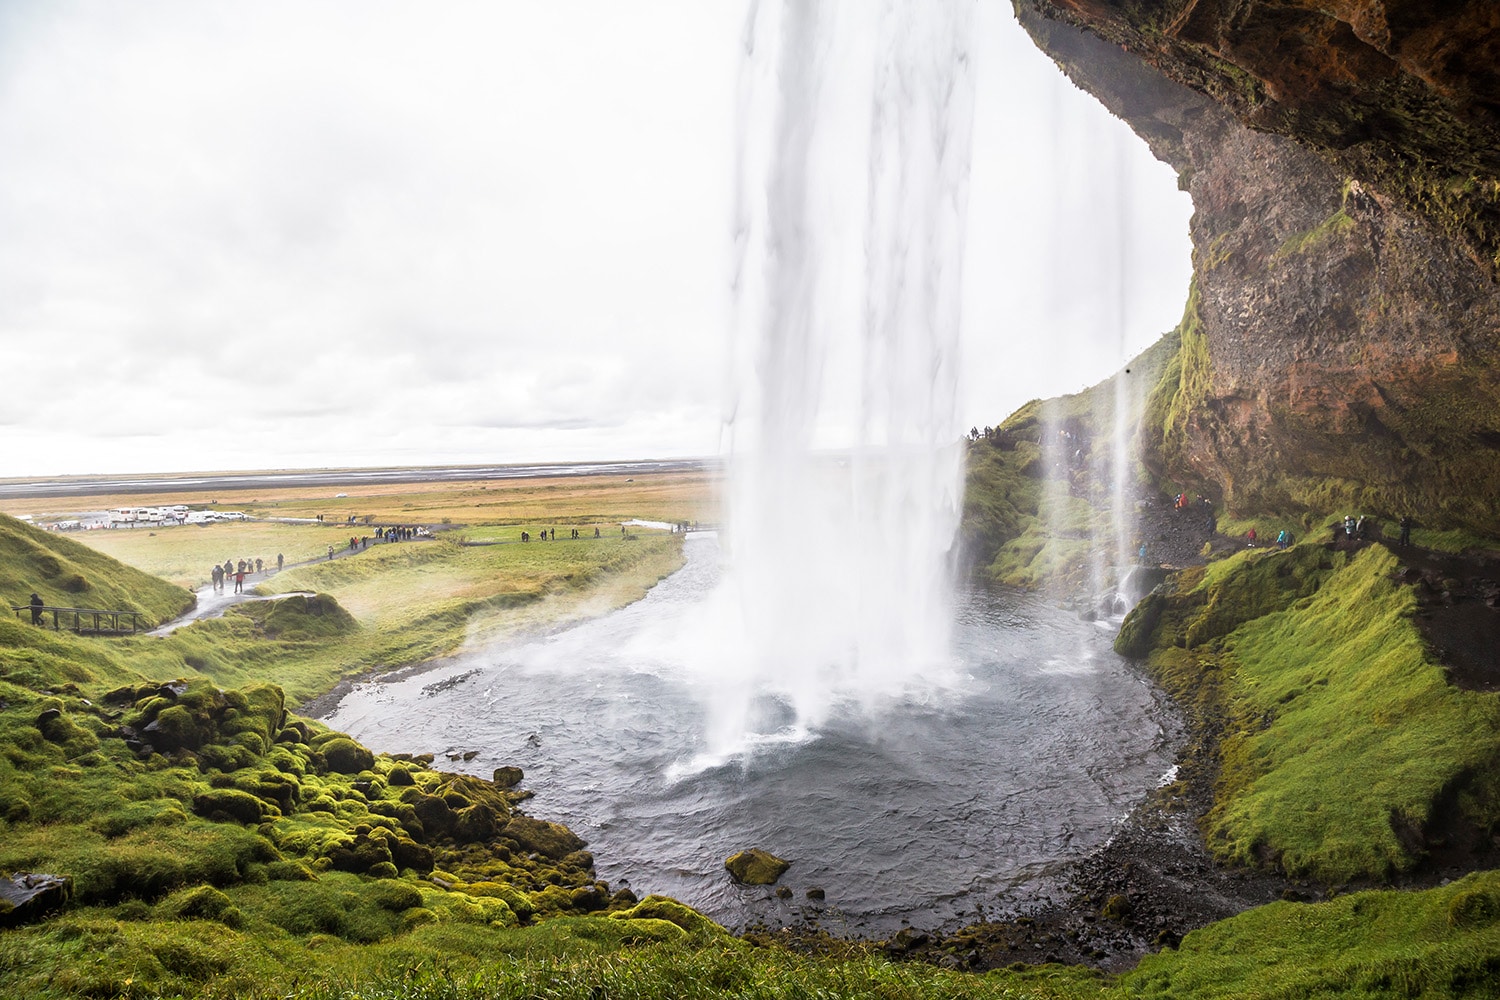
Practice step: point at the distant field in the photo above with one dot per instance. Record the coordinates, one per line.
(187, 553)
(568, 500)
(493, 511)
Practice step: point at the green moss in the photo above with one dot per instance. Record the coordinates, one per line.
(1181, 388)
(662, 908)
(1369, 944)
(756, 867)
(1308, 241)
(1310, 662)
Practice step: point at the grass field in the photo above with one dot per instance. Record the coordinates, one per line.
(560, 500)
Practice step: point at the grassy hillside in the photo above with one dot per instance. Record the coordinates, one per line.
(70, 575)
(1037, 497)
(1343, 752)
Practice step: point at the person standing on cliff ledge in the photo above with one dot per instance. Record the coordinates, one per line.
(1405, 529)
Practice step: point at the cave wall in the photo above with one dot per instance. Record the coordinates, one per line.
(1352, 331)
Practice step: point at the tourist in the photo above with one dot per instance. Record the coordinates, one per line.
(36, 608)
(596, 532)
(239, 579)
(1283, 539)
(217, 576)
(1349, 527)
(1405, 529)
(330, 551)
(259, 566)
(1359, 528)
(278, 562)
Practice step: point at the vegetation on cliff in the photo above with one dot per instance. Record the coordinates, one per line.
(1342, 751)
(1037, 500)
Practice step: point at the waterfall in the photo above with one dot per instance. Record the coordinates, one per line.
(845, 474)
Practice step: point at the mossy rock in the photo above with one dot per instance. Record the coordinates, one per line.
(508, 776)
(756, 867)
(346, 756)
(395, 896)
(360, 854)
(552, 840)
(476, 824)
(407, 853)
(656, 907)
(1139, 627)
(204, 903)
(518, 901)
(231, 804)
(652, 930)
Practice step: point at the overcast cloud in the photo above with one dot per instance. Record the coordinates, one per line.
(320, 234)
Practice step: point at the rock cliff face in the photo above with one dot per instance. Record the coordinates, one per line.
(1343, 343)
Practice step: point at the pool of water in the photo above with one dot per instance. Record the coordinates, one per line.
(929, 805)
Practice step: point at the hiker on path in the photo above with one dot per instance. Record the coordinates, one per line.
(1405, 529)
(278, 562)
(1283, 539)
(36, 608)
(258, 566)
(330, 551)
(217, 576)
(239, 580)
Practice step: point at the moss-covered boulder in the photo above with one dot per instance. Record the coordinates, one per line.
(756, 867)
(665, 908)
(346, 756)
(231, 804)
(552, 840)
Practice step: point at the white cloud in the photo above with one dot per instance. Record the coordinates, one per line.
(286, 234)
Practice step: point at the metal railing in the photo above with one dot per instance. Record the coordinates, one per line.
(84, 621)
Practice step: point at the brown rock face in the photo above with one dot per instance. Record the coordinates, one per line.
(1350, 342)
(1404, 94)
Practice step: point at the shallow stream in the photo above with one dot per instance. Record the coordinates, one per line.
(931, 805)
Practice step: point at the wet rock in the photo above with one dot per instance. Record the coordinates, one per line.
(817, 895)
(508, 776)
(27, 897)
(756, 867)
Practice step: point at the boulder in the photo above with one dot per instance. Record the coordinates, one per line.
(552, 840)
(508, 776)
(27, 897)
(756, 867)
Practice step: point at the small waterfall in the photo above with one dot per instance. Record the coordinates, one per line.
(845, 479)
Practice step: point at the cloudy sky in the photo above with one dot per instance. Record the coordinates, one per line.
(283, 234)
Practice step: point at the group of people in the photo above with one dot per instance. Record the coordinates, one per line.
(233, 572)
(550, 534)
(1283, 538)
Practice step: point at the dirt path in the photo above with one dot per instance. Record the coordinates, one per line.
(213, 604)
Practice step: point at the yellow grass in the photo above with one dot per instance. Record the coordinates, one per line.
(567, 500)
(498, 509)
